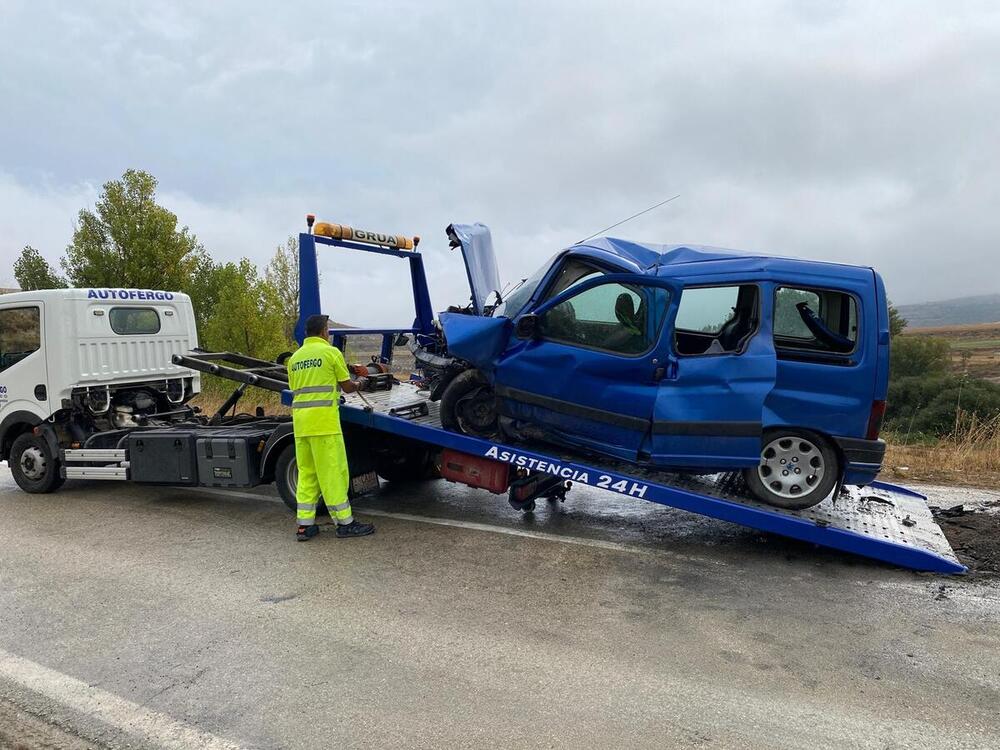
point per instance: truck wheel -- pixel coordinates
(468, 405)
(34, 467)
(797, 470)
(286, 476)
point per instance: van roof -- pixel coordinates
(691, 260)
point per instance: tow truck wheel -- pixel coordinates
(797, 470)
(286, 476)
(34, 467)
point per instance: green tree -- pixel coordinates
(919, 355)
(32, 271)
(896, 321)
(282, 273)
(130, 240)
(247, 313)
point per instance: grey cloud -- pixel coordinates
(850, 131)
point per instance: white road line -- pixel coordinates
(472, 525)
(131, 718)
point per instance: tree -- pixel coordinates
(282, 273)
(896, 321)
(32, 271)
(919, 355)
(129, 240)
(247, 314)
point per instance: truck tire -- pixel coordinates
(798, 469)
(34, 467)
(286, 477)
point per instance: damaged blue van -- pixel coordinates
(679, 358)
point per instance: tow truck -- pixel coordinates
(95, 385)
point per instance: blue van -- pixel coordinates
(674, 357)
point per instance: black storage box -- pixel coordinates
(163, 457)
(230, 457)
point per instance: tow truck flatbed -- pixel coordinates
(882, 521)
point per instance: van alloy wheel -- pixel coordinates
(791, 466)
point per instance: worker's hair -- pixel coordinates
(317, 325)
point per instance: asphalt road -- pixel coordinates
(175, 618)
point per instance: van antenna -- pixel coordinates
(633, 216)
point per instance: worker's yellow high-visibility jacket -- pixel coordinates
(313, 374)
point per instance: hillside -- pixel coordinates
(975, 349)
(961, 311)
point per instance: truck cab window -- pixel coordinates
(20, 334)
(716, 319)
(611, 317)
(134, 321)
(815, 320)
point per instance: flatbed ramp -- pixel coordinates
(882, 521)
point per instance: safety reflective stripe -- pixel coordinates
(345, 521)
(311, 404)
(313, 389)
(306, 508)
(342, 506)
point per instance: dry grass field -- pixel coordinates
(975, 349)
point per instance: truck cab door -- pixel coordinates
(24, 381)
(709, 407)
(584, 365)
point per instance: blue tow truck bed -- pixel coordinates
(881, 521)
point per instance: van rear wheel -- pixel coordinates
(798, 469)
(34, 467)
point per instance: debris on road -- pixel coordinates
(974, 535)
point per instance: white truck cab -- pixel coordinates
(83, 361)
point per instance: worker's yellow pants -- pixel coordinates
(322, 463)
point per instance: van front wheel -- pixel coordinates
(797, 470)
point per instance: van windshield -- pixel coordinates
(519, 297)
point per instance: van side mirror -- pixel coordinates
(527, 327)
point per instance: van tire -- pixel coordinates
(805, 454)
(34, 467)
(468, 406)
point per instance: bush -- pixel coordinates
(940, 405)
(918, 355)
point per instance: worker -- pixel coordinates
(315, 371)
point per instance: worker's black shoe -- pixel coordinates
(354, 528)
(305, 533)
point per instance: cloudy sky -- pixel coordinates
(864, 132)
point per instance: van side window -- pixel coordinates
(815, 320)
(572, 273)
(133, 321)
(618, 318)
(20, 334)
(716, 319)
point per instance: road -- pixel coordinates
(159, 617)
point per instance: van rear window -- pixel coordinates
(133, 321)
(815, 320)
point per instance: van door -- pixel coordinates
(709, 407)
(588, 375)
(23, 373)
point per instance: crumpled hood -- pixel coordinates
(480, 262)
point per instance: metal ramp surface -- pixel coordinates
(882, 521)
